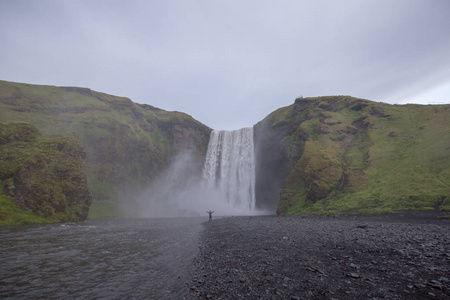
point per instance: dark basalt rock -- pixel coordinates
(396, 257)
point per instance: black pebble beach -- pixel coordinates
(403, 256)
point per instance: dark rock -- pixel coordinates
(249, 265)
(393, 134)
(379, 112)
(363, 226)
(354, 275)
(436, 284)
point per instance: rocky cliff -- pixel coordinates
(127, 144)
(330, 155)
(41, 179)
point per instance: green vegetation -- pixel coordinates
(41, 180)
(127, 144)
(12, 214)
(363, 157)
(330, 155)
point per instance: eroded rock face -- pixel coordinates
(44, 176)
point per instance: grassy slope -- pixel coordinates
(127, 144)
(365, 157)
(12, 214)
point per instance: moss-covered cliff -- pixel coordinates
(127, 144)
(341, 154)
(41, 179)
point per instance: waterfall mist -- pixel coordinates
(225, 184)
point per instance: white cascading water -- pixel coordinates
(230, 167)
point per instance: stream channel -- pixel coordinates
(101, 259)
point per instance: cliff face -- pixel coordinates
(127, 144)
(341, 154)
(46, 178)
(277, 148)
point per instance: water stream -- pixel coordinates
(99, 259)
(230, 167)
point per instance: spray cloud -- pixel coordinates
(226, 184)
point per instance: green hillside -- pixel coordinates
(127, 144)
(324, 155)
(348, 155)
(41, 179)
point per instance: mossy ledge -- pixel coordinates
(343, 155)
(42, 179)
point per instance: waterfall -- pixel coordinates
(230, 167)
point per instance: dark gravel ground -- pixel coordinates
(404, 256)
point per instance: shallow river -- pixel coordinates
(106, 259)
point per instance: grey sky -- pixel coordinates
(230, 63)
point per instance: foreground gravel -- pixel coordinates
(406, 256)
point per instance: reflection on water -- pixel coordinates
(108, 259)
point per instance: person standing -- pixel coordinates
(210, 215)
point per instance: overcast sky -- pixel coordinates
(231, 63)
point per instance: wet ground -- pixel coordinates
(99, 259)
(406, 256)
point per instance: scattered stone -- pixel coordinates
(352, 265)
(239, 259)
(354, 275)
(436, 284)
